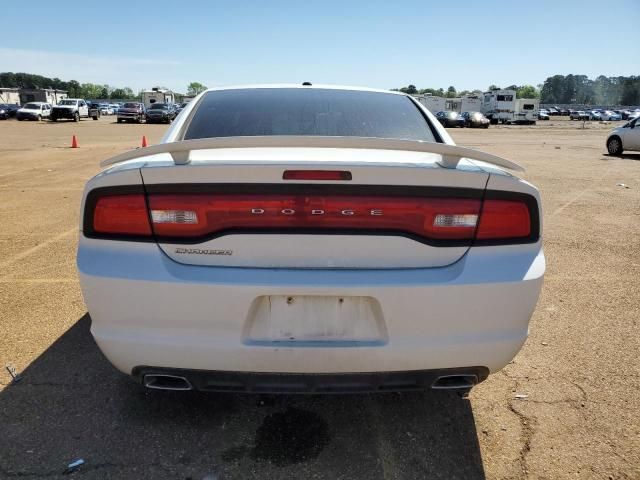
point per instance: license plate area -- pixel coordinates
(308, 320)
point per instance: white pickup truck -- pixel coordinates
(71, 109)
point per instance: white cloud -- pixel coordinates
(114, 70)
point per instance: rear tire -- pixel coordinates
(614, 146)
(76, 117)
(119, 120)
(39, 118)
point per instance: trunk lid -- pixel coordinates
(251, 180)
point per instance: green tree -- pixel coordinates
(411, 90)
(527, 91)
(451, 92)
(493, 87)
(194, 88)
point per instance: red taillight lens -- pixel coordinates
(200, 215)
(121, 215)
(504, 219)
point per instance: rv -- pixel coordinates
(502, 106)
(471, 103)
(157, 95)
(432, 103)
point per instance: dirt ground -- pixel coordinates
(579, 370)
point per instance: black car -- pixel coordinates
(94, 110)
(475, 120)
(161, 113)
(8, 110)
(450, 119)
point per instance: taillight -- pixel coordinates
(121, 215)
(501, 218)
(504, 219)
(201, 215)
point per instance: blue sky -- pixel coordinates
(369, 43)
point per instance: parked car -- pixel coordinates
(475, 120)
(563, 112)
(610, 116)
(625, 137)
(594, 115)
(34, 111)
(628, 114)
(553, 111)
(105, 109)
(161, 113)
(543, 114)
(579, 115)
(131, 112)
(277, 253)
(450, 119)
(70, 108)
(94, 110)
(114, 108)
(634, 114)
(8, 110)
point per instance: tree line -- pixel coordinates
(581, 90)
(522, 91)
(560, 89)
(80, 90)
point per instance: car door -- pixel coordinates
(83, 109)
(631, 140)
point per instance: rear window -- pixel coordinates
(130, 105)
(159, 106)
(295, 111)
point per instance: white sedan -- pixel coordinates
(304, 238)
(625, 137)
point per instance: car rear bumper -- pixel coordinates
(149, 310)
(243, 382)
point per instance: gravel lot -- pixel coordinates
(580, 368)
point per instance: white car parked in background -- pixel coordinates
(34, 111)
(309, 239)
(625, 137)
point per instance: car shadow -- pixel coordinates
(625, 156)
(71, 403)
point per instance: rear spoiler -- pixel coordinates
(179, 151)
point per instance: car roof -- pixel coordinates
(300, 86)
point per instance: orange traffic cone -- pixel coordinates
(74, 142)
(144, 141)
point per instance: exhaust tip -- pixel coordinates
(159, 381)
(450, 382)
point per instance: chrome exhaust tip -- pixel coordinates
(159, 381)
(452, 382)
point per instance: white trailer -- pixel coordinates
(157, 95)
(471, 103)
(433, 103)
(526, 110)
(502, 106)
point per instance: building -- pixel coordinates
(46, 95)
(157, 95)
(10, 95)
